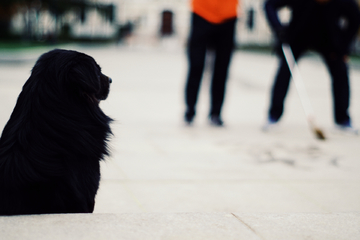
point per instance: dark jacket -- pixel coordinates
(328, 26)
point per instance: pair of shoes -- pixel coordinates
(215, 120)
(347, 128)
(269, 125)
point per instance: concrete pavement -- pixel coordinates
(165, 180)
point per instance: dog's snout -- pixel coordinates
(110, 80)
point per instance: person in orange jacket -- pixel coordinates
(213, 25)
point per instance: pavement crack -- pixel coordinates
(248, 226)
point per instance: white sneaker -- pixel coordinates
(347, 129)
(270, 125)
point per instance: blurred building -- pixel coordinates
(156, 18)
(53, 19)
(253, 29)
(148, 20)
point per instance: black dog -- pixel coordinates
(51, 147)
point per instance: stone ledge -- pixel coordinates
(207, 226)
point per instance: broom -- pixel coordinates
(299, 84)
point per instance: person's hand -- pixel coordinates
(282, 35)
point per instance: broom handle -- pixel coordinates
(299, 83)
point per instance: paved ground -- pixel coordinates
(166, 180)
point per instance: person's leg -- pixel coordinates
(280, 87)
(196, 58)
(224, 45)
(279, 91)
(340, 87)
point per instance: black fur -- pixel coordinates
(51, 146)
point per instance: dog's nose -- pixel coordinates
(110, 80)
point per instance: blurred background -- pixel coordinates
(120, 21)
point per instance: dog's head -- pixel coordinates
(73, 73)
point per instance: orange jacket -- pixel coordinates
(215, 11)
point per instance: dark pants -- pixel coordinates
(221, 38)
(340, 85)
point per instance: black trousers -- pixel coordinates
(202, 36)
(340, 85)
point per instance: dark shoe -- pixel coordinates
(189, 117)
(216, 121)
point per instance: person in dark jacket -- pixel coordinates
(325, 26)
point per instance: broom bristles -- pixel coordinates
(319, 134)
